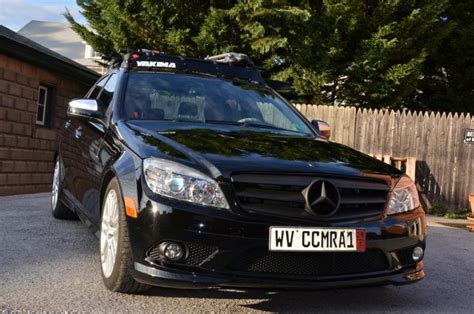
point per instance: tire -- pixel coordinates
(115, 252)
(58, 209)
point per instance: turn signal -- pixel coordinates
(130, 208)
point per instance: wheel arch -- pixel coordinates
(108, 176)
(125, 168)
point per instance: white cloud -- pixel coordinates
(14, 14)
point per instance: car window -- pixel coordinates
(179, 97)
(108, 91)
(273, 115)
(98, 87)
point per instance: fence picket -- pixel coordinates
(444, 165)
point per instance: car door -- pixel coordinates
(90, 144)
(70, 151)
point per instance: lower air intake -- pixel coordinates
(197, 253)
(313, 264)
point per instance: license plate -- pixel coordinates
(298, 239)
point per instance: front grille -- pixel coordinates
(197, 253)
(282, 195)
(311, 264)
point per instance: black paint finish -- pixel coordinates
(114, 147)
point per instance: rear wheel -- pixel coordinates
(115, 252)
(59, 210)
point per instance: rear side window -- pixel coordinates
(108, 91)
(98, 87)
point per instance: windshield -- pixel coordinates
(206, 100)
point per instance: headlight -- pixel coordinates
(183, 183)
(404, 197)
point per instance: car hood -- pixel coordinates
(227, 150)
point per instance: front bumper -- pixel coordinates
(230, 245)
(172, 279)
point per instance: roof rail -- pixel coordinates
(231, 57)
(140, 50)
(111, 61)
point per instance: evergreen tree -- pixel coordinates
(371, 53)
(449, 73)
(165, 25)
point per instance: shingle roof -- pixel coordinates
(17, 46)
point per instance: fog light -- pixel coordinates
(417, 253)
(173, 251)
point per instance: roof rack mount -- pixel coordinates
(231, 57)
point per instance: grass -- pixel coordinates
(441, 211)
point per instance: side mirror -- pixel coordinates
(85, 109)
(323, 128)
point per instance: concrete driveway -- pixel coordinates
(51, 265)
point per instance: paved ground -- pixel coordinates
(50, 265)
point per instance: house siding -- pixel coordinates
(27, 149)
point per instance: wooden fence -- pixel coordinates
(444, 163)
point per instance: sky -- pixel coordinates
(14, 14)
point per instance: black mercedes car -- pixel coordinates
(195, 174)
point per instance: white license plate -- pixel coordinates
(298, 239)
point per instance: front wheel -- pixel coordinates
(115, 253)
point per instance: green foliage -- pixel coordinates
(438, 209)
(462, 214)
(449, 82)
(167, 25)
(371, 53)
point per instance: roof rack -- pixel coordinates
(231, 57)
(111, 61)
(227, 57)
(229, 64)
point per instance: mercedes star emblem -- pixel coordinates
(322, 198)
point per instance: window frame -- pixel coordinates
(45, 105)
(104, 78)
(109, 77)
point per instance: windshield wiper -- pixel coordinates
(229, 122)
(250, 124)
(265, 126)
(182, 120)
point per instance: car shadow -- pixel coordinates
(437, 292)
(353, 299)
(57, 252)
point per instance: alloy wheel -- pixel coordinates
(109, 233)
(55, 185)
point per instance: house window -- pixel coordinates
(43, 108)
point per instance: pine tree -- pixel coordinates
(164, 25)
(449, 73)
(371, 53)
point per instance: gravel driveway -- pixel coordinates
(51, 265)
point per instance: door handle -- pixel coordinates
(78, 133)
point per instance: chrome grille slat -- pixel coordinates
(362, 200)
(272, 195)
(282, 195)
